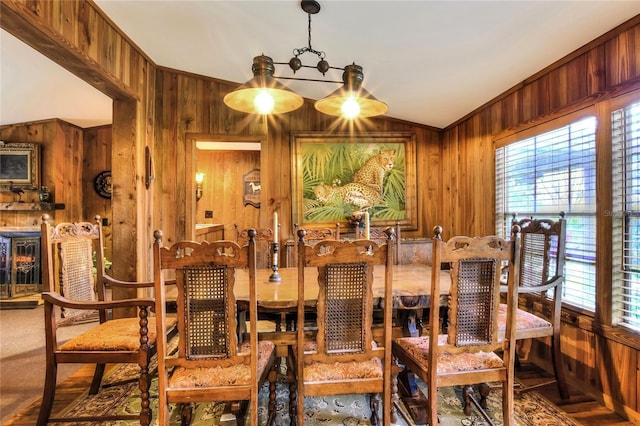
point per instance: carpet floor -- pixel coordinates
(532, 409)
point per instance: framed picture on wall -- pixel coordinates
(19, 166)
(337, 177)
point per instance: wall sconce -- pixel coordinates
(199, 180)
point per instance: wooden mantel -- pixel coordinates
(15, 206)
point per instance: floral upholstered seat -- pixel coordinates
(345, 370)
(216, 376)
(418, 347)
(115, 335)
(527, 324)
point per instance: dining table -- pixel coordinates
(411, 288)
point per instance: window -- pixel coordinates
(540, 177)
(626, 216)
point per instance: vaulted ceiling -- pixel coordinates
(432, 62)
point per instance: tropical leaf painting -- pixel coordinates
(329, 192)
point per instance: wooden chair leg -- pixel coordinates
(374, 403)
(556, 359)
(186, 414)
(483, 390)
(293, 393)
(49, 393)
(97, 379)
(145, 398)
(467, 394)
(273, 376)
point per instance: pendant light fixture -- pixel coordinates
(264, 94)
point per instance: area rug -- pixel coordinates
(532, 409)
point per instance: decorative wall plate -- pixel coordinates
(102, 184)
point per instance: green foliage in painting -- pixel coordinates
(328, 188)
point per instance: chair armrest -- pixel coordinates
(110, 281)
(58, 300)
(553, 282)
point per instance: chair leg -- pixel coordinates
(374, 403)
(467, 394)
(97, 379)
(186, 414)
(145, 399)
(483, 390)
(273, 376)
(49, 393)
(293, 392)
(395, 397)
(556, 359)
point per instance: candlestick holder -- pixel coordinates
(275, 275)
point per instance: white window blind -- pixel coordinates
(626, 216)
(552, 172)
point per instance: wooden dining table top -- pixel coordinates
(411, 286)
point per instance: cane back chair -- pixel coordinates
(343, 358)
(465, 355)
(212, 361)
(67, 252)
(541, 270)
(263, 240)
(378, 235)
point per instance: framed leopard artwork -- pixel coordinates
(337, 176)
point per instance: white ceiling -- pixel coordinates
(432, 62)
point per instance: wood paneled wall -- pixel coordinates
(192, 104)
(159, 107)
(61, 168)
(598, 357)
(223, 189)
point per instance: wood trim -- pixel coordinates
(24, 21)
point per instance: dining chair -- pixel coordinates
(377, 234)
(541, 273)
(342, 357)
(466, 353)
(212, 362)
(263, 239)
(68, 253)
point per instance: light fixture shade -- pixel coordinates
(369, 105)
(244, 97)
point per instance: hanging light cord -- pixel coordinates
(300, 51)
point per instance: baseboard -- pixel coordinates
(25, 302)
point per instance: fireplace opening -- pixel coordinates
(19, 264)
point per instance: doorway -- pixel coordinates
(230, 194)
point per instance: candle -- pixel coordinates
(275, 227)
(367, 229)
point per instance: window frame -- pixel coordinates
(540, 130)
(615, 218)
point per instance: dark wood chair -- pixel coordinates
(465, 354)
(377, 234)
(541, 270)
(68, 250)
(315, 235)
(264, 238)
(212, 362)
(343, 358)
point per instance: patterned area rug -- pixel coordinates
(532, 409)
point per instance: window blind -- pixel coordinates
(552, 172)
(626, 216)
